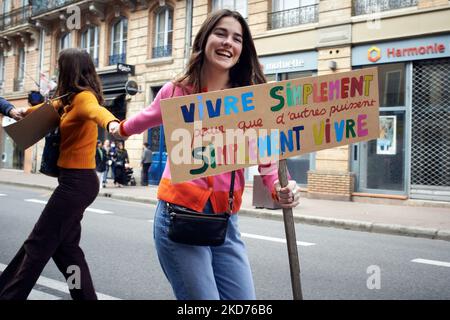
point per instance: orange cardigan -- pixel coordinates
(79, 131)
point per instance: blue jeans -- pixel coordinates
(201, 272)
(105, 175)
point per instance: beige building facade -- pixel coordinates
(294, 38)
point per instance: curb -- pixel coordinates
(27, 185)
(128, 198)
(355, 225)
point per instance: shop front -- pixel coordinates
(412, 156)
(12, 157)
(284, 67)
(114, 91)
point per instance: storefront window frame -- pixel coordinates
(406, 108)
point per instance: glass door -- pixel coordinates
(11, 156)
(382, 161)
(380, 164)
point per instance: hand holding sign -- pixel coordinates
(16, 114)
(289, 196)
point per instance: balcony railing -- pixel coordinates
(293, 17)
(41, 6)
(15, 18)
(373, 6)
(163, 51)
(117, 58)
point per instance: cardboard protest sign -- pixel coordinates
(210, 133)
(34, 126)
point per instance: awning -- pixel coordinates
(112, 98)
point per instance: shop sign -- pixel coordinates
(404, 50)
(292, 62)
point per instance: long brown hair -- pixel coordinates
(247, 71)
(77, 73)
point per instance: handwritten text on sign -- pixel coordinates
(220, 131)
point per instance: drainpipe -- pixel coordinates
(188, 32)
(39, 69)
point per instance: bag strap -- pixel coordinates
(53, 98)
(231, 193)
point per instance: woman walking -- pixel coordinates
(57, 232)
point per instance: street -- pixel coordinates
(117, 239)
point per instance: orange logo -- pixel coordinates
(374, 54)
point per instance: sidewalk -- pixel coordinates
(418, 218)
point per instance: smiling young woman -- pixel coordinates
(222, 51)
(223, 56)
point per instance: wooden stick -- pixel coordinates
(291, 240)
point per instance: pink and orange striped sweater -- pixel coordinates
(195, 193)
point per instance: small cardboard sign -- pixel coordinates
(215, 132)
(34, 126)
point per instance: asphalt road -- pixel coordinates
(117, 240)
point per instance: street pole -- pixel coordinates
(291, 240)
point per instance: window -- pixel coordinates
(280, 5)
(24, 7)
(392, 84)
(288, 13)
(18, 82)
(21, 64)
(2, 69)
(163, 32)
(236, 5)
(65, 41)
(373, 6)
(89, 42)
(380, 164)
(119, 33)
(5, 10)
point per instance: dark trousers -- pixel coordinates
(119, 175)
(145, 167)
(56, 235)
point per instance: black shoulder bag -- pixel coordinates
(50, 155)
(199, 229)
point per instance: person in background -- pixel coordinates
(106, 147)
(146, 162)
(8, 110)
(35, 98)
(100, 162)
(112, 155)
(121, 159)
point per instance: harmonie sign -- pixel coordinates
(210, 133)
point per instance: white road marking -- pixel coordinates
(61, 286)
(98, 211)
(432, 262)
(281, 240)
(88, 209)
(151, 221)
(36, 201)
(39, 295)
(2, 195)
